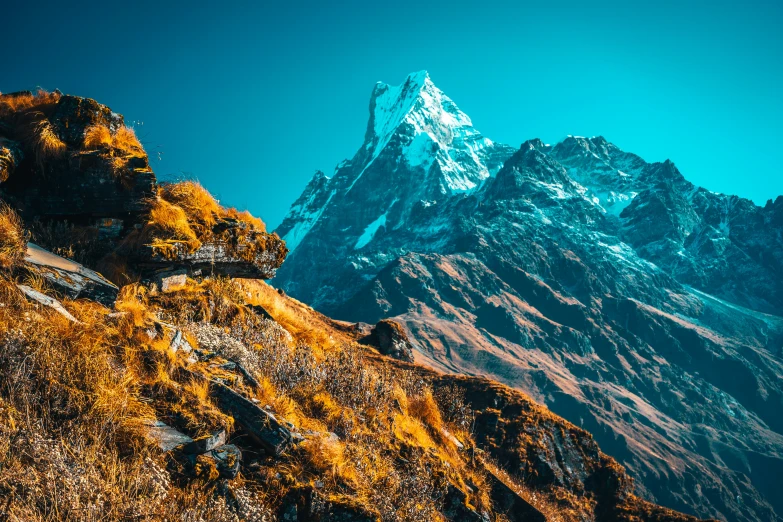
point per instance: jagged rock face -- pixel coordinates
(76, 185)
(407, 164)
(611, 289)
(98, 194)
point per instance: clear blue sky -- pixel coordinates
(252, 99)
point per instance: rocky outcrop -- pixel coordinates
(232, 252)
(45, 300)
(81, 185)
(259, 424)
(68, 277)
(390, 339)
(96, 192)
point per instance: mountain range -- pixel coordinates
(635, 304)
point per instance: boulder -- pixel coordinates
(69, 277)
(390, 339)
(260, 425)
(226, 459)
(171, 279)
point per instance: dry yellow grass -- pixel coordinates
(44, 142)
(194, 199)
(125, 140)
(10, 105)
(172, 220)
(13, 239)
(97, 136)
(304, 324)
(182, 218)
(253, 222)
(87, 392)
(27, 118)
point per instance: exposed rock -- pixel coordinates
(74, 114)
(227, 459)
(205, 444)
(259, 424)
(45, 300)
(508, 502)
(454, 440)
(170, 279)
(68, 277)
(564, 276)
(166, 437)
(305, 504)
(232, 254)
(390, 339)
(179, 343)
(456, 508)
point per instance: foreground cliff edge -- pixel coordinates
(140, 379)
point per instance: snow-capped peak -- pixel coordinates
(434, 130)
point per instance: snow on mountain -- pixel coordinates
(566, 270)
(439, 132)
(419, 146)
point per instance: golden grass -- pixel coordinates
(27, 115)
(246, 217)
(44, 142)
(97, 136)
(182, 218)
(74, 406)
(326, 455)
(13, 238)
(120, 147)
(125, 140)
(41, 100)
(171, 219)
(197, 203)
(304, 324)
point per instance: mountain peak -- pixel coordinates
(416, 122)
(417, 101)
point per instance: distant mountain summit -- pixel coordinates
(418, 148)
(628, 300)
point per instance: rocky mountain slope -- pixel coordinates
(171, 390)
(631, 302)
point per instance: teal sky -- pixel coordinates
(252, 99)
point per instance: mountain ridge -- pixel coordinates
(579, 272)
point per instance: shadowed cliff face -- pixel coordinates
(631, 302)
